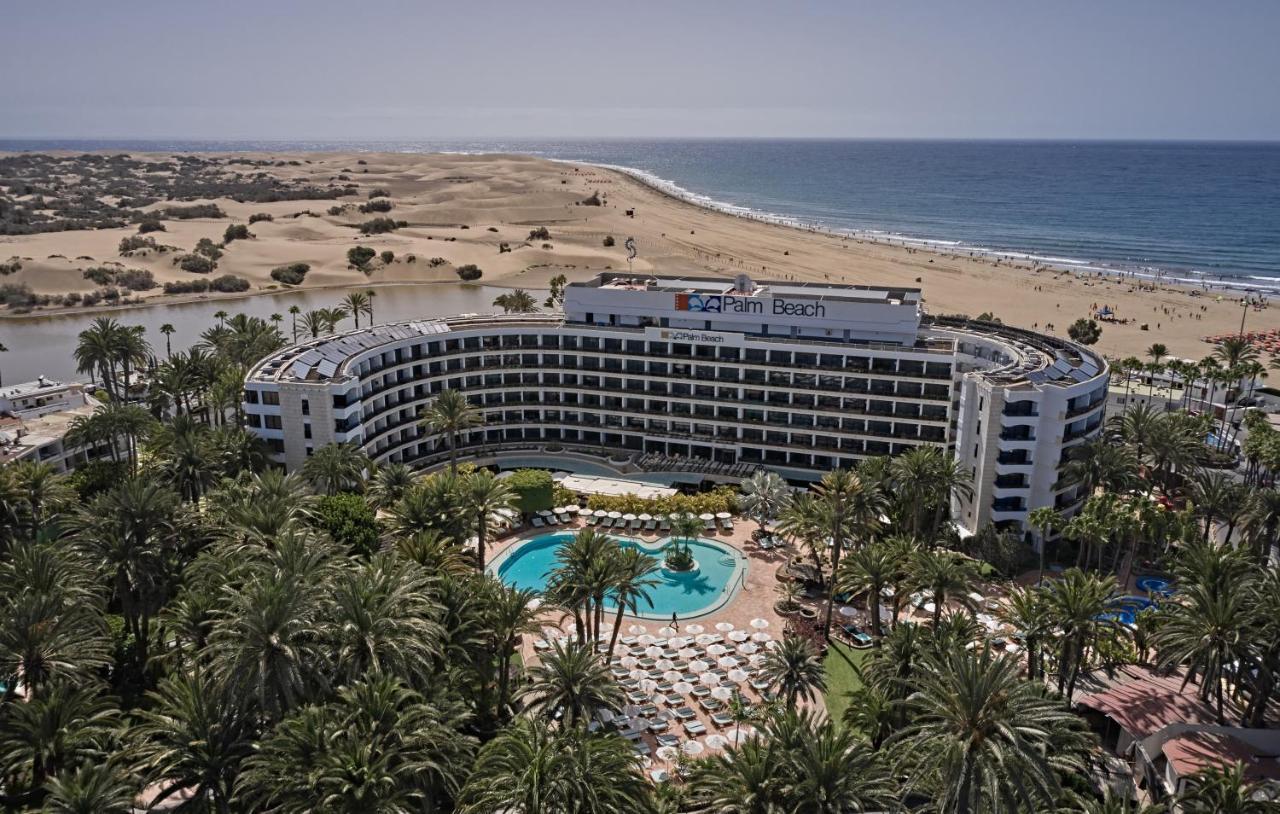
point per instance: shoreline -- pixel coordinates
(1141, 275)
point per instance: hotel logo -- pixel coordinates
(703, 303)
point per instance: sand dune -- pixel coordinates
(462, 208)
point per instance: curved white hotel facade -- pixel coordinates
(707, 375)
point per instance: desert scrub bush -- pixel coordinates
(192, 211)
(134, 243)
(135, 279)
(504, 247)
(16, 295)
(187, 287)
(358, 256)
(592, 200)
(540, 233)
(209, 249)
(379, 192)
(195, 263)
(260, 216)
(380, 205)
(11, 266)
(236, 231)
(101, 275)
(229, 283)
(608, 241)
(469, 272)
(380, 226)
(151, 225)
(387, 256)
(493, 228)
(336, 210)
(410, 258)
(437, 261)
(292, 274)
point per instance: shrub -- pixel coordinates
(100, 275)
(136, 279)
(259, 216)
(13, 266)
(388, 256)
(349, 522)
(437, 261)
(236, 231)
(379, 192)
(533, 489)
(540, 233)
(336, 210)
(380, 205)
(379, 226)
(292, 274)
(469, 272)
(1085, 331)
(410, 258)
(229, 283)
(192, 211)
(151, 225)
(208, 248)
(94, 477)
(593, 200)
(133, 243)
(504, 247)
(493, 228)
(184, 287)
(16, 294)
(195, 263)
(358, 256)
(719, 499)
(608, 241)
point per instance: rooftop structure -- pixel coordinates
(34, 420)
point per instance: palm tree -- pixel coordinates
(388, 484)
(764, 495)
(943, 575)
(1027, 611)
(1206, 631)
(168, 330)
(517, 301)
(981, 739)
(293, 313)
(1235, 351)
(357, 303)
(317, 322)
(795, 670)
(924, 480)
(512, 613)
(1223, 791)
(630, 586)
(90, 789)
(1157, 351)
(335, 468)
(868, 570)
(370, 293)
(221, 316)
(97, 351)
(1078, 606)
(1044, 520)
(1211, 493)
(849, 508)
(485, 498)
(448, 414)
(530, 769)
(45, 637)
(62, 727)
(193, 737)
(571, 683)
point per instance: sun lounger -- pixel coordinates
(537, 523)
(711, 704)
(727, 525)
(642, 748)
(709, 526)
(722, 719)
(650, 525)
(701, 692)
(695, 728)
(606, 522)
(659, 726)
(648, 710)
(592, 520)
(667, 739)
(684, 713)
(664, 525)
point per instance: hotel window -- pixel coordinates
(251, 396)
(306, 407)
(270, 397)
(271, 422)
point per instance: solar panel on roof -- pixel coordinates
(327, 368)
(1080, 375)
(1037, 377)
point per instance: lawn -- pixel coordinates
(841, 678)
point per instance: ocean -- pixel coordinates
(1195, 212)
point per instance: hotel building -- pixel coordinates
(707, 376)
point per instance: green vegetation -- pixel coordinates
(292, 274)
(532, 489)
(517, 301)
(540, 233)
(349, 522)
(843, 665)
(359, 256)
(379, 226)
(1084, 331)
(236, 231)
(151, 225)
(608, 241)
(195, 263)
(468, 272)
(378, 205)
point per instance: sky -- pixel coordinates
(396, 69)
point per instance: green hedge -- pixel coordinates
(533, 488)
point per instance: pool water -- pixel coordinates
(714, 582)
(1154, 585)
(1127, 608)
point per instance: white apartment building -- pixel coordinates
(703, 374)
(34, 419)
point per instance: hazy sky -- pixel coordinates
(387, 69)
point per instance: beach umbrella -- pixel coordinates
(724, 627)
(639, 675)
(671, 676)
(977, 597)
(666, 753)
(628, 516)
(739, 735)
(644, 640)
(600, 513)
(722, 693)
(716, 742)
(535, 603)
(561, 510)
(724, 515)
(738, 675)
(648, 685)
(759, 624)
(739, 636)
(709, 679)
(629, 662)
(1011, 647)
(545, 512)
(615, 515)
(707, 516)
(761, 637)
(644, 516)
(929, 607)
(717, 650)
(848, 610)
(694, 629)
(666, 632)
(585, 513)
(692, 748)
(686, 652)
(682, 687)
(757, 659)
(663, 664)
(653, 651)
(772, 645)
(705, 639)
(748, 648)
(636, 630)
(727, 662)
(677, 642)
(698, 666)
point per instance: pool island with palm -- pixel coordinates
(716, 578)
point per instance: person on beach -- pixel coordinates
(675, 621)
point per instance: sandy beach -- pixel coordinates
(463, 209)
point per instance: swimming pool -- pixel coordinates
(1154, 585)
(1127, 608)
(720, 572)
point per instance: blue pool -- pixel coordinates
(1127, 608)
(1154, 585)
(719, 574)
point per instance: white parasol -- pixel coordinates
(666, 632)
(707, 516)
(724, 627)
(666, 753)
(671, 676)
(848, 610)
(694, 629)
(705, 639)
(717, 650)
(716, 742)
(761, 637)
(724, 515)
(737, 675)
(738, 636)
(748, 648)
(645, 639)
(653, 651)
(663, 664)
(686, 652)
(629, 662)
(698, 666)
(759, 624)
(682, 687)
(636, 630)
(709, 679)
(692, 748)
(722, 693)
(727, 662)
